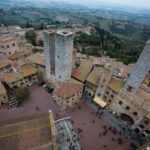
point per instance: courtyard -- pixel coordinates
(94, 132)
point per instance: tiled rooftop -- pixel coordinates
(116, 84)
(82, 72)
(27, 71)
(94, 76)
(31, 134)
(12, 77)
(66, 90)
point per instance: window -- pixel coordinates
(9, 53)
(60, 77)
(107, 92)
(120, 102)
(105, 97)
(146, 122)
(142, 126)
(7, 46)
(13, 44)
(135, 113)
(109, 101)
(112, 96)
(2, 46)
(58, 56)
(99, 94)
(147, 131)
(127, 107)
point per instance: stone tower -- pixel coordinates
(63, 55)
(140, 70)
(58, 47)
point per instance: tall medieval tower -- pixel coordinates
(140, 70)
(58, 48)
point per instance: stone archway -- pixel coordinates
(127, 118)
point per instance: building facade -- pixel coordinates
(67, 94)
(3, 95)
(8, 46)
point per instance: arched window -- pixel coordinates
(147, 131)
(127, 107)
(135, 113)
(146, 122)
(141, 126)
(120, 102)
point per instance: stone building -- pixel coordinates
(92, 81)
(132, 104)
(67, 94)
(146, 146)
(5, 65)
(38, 60)
(104, 80)
(58, 47)
(8, 46)
(112, 91)
(3, 95)
(26, 76)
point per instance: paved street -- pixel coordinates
(117, 123)
(94, 132)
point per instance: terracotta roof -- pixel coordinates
(66, 90)
(4, 62)
(94, 76)
(16, 55)
(27, 71)
(73, 81)
(27, 133)
(82, 72)
(37, 58)
(12, 77)
(4, 39)
(2, 89)
(116, 84)
(23, 62)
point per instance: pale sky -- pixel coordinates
(133, 3)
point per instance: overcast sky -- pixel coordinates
(133, 3)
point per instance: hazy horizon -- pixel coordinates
(97, 3)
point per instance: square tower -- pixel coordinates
(140, 70)
(63, 55)
(58, 48)
(49, 50)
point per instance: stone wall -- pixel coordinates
(47, 55)
(63, 56)
(140, 70)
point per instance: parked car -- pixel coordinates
(50, 90)
(45, 85)
(46, 88)
(42, 83)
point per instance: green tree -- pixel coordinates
(41, 43)
(21, 94)
(31, 37)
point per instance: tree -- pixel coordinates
(31, 37)
(22, 94)
(41, 43)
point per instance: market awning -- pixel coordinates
(100, 101)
